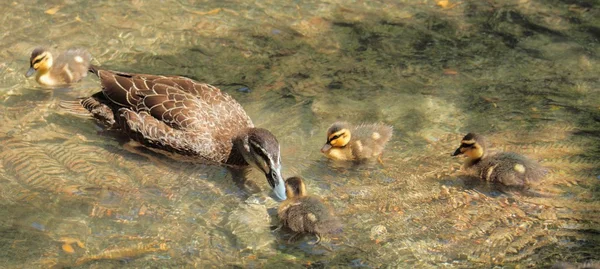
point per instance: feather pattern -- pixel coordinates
(173, 113)
(179, 115)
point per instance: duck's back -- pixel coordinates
(178, 101)
(173, 113)
(510, 169)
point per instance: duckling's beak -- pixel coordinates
(276, 181)
(30, 72)
(326, 148)
(457, 152)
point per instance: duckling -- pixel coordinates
(345, 142)
(507, 168)
(69, 67)
(306, 214)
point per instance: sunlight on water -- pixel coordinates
(524, 73)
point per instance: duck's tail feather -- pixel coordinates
(75, 108)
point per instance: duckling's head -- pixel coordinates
(294, 187)
(338, 135)
(41, 60)
(260, 149)
(471, 145)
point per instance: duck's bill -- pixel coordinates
(276, 181)
(326, 148)
(457, 152)
(30, 72)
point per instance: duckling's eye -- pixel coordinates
(335, 137)
(467, 145)
(38, 60)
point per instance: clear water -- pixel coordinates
(525, 73)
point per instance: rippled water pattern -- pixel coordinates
(524, 73)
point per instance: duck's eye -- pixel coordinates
(335, 137)
(38, 60)
(467, 145)
(262, 156)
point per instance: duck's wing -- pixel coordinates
(175, 113)
(122, 89)
(148, 130)
(180, 102)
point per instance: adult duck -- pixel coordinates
(179, 115)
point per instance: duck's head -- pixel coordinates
(294, 187)
(338, 135)
(41, 60)
(260, 149)
(472, 145)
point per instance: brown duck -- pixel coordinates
(302, 213)
(507, 168)
(176, 114)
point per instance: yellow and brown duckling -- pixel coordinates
(360, 142)
(304, 213)
(507, 168)
(69, 67)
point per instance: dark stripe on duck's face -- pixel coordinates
(333, 138)
(38, 60)
(270, 167)
(464, 145)
(258, 150)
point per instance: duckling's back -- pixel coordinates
(72, 65)
(371, 139)
(510, 169)
(308, 214)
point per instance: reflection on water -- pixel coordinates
(523, 73)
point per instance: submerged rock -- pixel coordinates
(586, 265)
(378, 233)
(250, 225)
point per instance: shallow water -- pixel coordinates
(525, 73)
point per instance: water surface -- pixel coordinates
(524, 73)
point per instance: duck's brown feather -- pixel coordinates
(172, 113)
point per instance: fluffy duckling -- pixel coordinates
(306, 214)
(508, 168)
(69, 67)
(365, 141)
